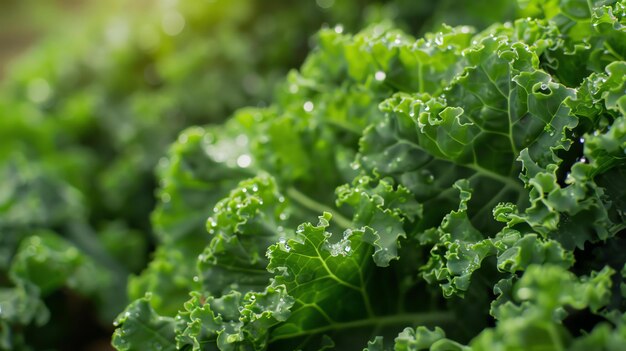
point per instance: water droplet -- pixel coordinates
(308, 106)
(208, 138)
(173, 23)
(325, 4)
(524, 293)
(38, 90)
(282, 216)
(165, 197)
(212, 222)
(241, 140)
(347, 248)
(196, 278)
(339, 29)
(255, 188)
(117, 32)
(163, 162)
(244, 190)
(380, 76)
(244, 161)
(430, 178)
(281, 199)
(582, 140)
(439, 38)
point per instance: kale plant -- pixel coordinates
(461, 191)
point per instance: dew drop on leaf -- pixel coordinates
(173, 23)
(308, 106)
(244, 161)
(38, 90)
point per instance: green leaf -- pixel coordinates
(310, 262)
(140, 326)
(233, 321)
(20, 305)
(381, 207)
(242, 227)
(200, 169)
(543, 292)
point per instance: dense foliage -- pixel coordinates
(461, 191)
(85, 117)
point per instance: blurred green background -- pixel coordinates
(22, 22)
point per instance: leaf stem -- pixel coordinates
(610, 49)
(315, 206)
(496, 176)
(554, 336)
(379, 321)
